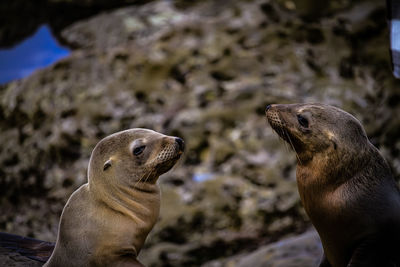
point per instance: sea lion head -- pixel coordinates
(317, 130)
(133, 156)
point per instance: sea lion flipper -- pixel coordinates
(374, 252)
(324, 262)
(128, 263)
(138, 264)
(29, 247)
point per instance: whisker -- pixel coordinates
(178, 163)
(286, 144)
(138, 181)
(290, 140)
(145, 180)
(280, 132)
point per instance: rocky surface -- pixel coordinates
(203, 71)
(302, 250)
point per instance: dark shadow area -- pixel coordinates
(21, 18)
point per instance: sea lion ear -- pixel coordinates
(107, 164)
(334, 143)
(332, 138)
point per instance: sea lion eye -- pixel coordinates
(137, 151)
(107, 165)
(303, 121)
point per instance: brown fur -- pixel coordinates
(106, 221)
(344, 183)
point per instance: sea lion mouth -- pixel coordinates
(167, 164)
(167, 158)
(278, 125)
(282, 129)
(164, 162)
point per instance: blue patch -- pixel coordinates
(38, 51)
(395, 34)
(201, 177)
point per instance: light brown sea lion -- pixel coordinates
(345, 185)
(106, 221)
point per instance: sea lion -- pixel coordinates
(106, 221)
(345, 185)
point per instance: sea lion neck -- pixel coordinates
(327, 171)
(312, 181)
(136, 202)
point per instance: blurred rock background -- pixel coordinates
(204, 71)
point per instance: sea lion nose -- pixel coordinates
(267, 108)
(180, 143)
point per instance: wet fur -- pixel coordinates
(344, 183)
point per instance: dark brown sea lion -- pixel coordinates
(345, 185)
(106, 221)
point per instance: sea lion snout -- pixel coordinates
(181, 143)
(171, 150)
(275, 121)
